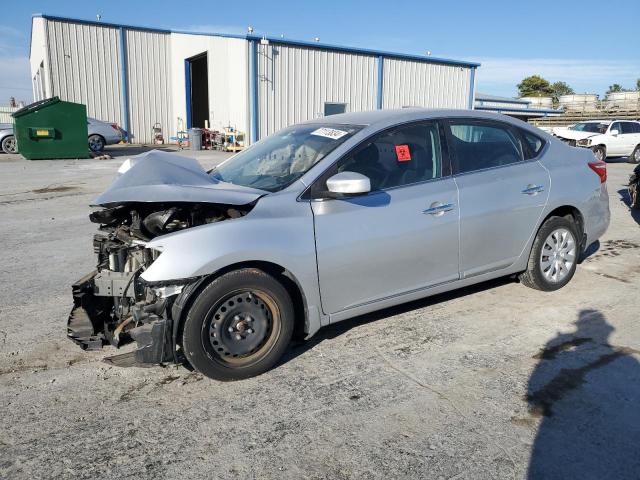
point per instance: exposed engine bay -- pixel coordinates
(113, 305)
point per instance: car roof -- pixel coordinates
(596, 121)
(376, 118)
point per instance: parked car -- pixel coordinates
(324, 221)
(7, 140)
(634, 188)
(100, 134)
(617, 138)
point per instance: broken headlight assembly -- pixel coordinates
(114, 305)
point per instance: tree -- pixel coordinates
(638, 84)
(559, 89)
(534, 86)
(616, 87)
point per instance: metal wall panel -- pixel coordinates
(409, 83)
(149, 83)
(5, 114)
(84, 67)
(294, 83)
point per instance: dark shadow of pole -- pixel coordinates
(587, 392)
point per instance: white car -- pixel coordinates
(607, 138)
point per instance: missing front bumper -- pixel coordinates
(91, 324)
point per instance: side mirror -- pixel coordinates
(348, 183)
(615, 133)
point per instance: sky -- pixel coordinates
(588, 44)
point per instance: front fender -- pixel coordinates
(278, 230)
(282, 235)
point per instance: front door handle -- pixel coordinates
(533, 189)
(437, 209)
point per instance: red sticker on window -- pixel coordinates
(402, 153)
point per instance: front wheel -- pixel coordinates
(9, 144)
(239, 325)
(552, 262)
(635, 156)
(600, 153)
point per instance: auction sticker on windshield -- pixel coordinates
(332, 133)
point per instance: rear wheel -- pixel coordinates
(553, 258)
(635, 156)
(96, 143)
(600, 153)
(634, 195)
(9, 144)
(239, 326)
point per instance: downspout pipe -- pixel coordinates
(124, 83)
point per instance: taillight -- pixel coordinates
(600, 168)
(115, 126)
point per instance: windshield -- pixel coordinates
(591, 127)
(277, 161)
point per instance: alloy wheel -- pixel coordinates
(599, 154)
(95, 143)
(9, 145)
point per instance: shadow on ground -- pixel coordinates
(116, 151)
(340, 328)
(626, 199)
(587, 392)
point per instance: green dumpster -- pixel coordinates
(52, 128)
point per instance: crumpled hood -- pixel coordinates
(157, 176)
(572, 134)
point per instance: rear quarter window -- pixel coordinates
(533, 144)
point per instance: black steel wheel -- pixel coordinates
(238, 326)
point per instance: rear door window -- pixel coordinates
(482, 145)
(533, 144)
(630, 127)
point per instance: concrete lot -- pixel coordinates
(495, 381)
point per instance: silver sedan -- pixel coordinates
(324, 221)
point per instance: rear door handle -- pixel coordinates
(533, 189)
(437, 209)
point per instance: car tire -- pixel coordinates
(96, 143)
(238, 326)
(635, 155)
(600, 153)
(9, 144)
(554, 255)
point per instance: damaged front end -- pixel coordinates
(113, 304)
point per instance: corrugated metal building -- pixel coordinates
(138, 76)
(519, 108)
